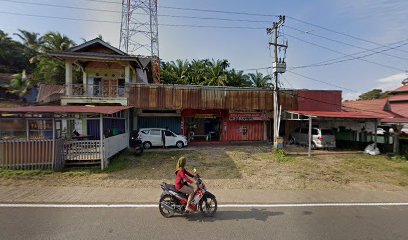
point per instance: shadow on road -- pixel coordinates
(256, 214)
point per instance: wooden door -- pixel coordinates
(110, 88)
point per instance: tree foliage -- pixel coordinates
(208, 72)
(29, 54)
(373, 94)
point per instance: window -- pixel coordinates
(155, 132)
(145, 131)
(169, 134)
(315, 131)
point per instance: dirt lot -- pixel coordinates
(234, 167)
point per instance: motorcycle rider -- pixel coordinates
(182, 181)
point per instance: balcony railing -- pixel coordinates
(93, 90)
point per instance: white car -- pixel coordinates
(152, 137)
(321, 138)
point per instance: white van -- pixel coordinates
(152, 137)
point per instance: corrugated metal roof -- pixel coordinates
(394, 120)
(48, 93)
(65, 109)
(357, 115)
(401, 89)
(397, 98)
(376, 106)
(400, 108)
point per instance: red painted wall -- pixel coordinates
(244, 131)
(319, 100)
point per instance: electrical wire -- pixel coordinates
(343, 59)
(320, 81)
(335, 51)
(341, 33)
(344, 43)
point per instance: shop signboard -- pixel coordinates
(247, 117)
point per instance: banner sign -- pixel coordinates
(247, 117)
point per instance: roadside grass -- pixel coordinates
(161, 165)
(7, 173)
(243, 167)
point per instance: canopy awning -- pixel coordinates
(350, 115)
(66, 109)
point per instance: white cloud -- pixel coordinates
(351, 95)
(391, 82)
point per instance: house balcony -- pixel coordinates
(94, 94)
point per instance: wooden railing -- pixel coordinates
(31, 154)
(93, 90)
(88, 150)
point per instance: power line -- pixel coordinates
(61, 6)
(345, 43)
(341, 33)
(335, 51)
(160, 15)
(320, 81)
(343, 59)
(55, 17)
(106, 21)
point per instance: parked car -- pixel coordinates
(135, 143)
(321, 138)
(152, 137)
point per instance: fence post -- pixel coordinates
(101, 141)
(53, 145)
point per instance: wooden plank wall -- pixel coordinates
(169, 97)
(31, 154)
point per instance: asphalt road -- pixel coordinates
(368, 222)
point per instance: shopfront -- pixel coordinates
(203, 125)
(246, 127)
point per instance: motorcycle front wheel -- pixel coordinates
(208, 206)
(164, 210)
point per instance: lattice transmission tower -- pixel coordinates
(139, 31)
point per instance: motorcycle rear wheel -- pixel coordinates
(168, 200)
(208, 206)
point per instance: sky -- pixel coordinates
(378, 28)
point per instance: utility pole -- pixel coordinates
(279, 66)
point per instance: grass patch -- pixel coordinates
(8, 173)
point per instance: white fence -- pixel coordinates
(115, 144)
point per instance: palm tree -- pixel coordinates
(49, 70)
(259, 80)
(11, 54)
(238, 79)
(217, 73)
(19, 84)
(55, 41)
(198, 70)
(31, 42)
(180, 69)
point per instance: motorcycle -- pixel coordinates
(135, 143)
(173, 201)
